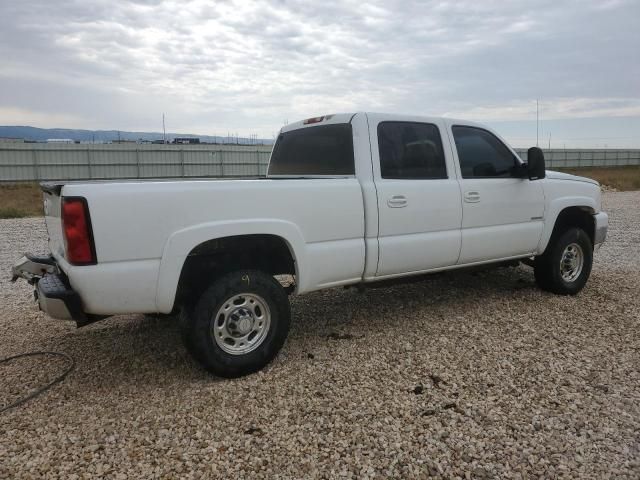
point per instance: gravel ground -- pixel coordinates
(470, 375)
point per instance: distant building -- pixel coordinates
(11, 140)
(59, 140)
(186, 141)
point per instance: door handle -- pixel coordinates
(472, 197)
(397, 201)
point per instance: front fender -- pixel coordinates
(558, 205)
(182, 242)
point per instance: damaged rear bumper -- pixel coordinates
(54, 295)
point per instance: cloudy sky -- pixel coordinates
(222, 66)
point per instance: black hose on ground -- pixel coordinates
(56, 380)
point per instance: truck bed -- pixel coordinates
(144, 230)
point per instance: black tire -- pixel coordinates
(547, 266)
(199, 319)
(186, 330)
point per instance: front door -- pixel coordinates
(419, 205)
(502, 214)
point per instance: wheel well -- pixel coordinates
(581, 217)
(210, 259)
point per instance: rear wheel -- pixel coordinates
(238, 324)
(565, 266)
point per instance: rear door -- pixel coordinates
(502, 214)
(419, 204)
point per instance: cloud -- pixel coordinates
(21, 116)
(557, 108)
(247, 66)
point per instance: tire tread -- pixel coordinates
(546, 266)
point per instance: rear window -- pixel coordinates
(324, 150)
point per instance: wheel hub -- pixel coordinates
(241, 323)
(571, 262)
(244, 324)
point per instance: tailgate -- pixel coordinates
(52, 215)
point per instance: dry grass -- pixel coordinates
(19, 200)
(620, 178)
(25, 199)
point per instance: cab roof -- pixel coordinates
(376, 116)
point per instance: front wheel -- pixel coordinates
(238, 324)
(565, 266)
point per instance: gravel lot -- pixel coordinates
(470, 375)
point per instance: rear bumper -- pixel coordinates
(31, 267)
(58, 300)
(601, 226)
(54, 295)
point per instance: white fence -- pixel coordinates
(571, 158)
(36, 161)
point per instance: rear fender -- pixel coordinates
(182, 242)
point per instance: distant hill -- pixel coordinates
(34, 134)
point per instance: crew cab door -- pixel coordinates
(502, 213)
(419, 204)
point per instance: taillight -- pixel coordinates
(309, 121)
(76, 226)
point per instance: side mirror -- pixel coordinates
(535, 164)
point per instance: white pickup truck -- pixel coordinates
(349, 199)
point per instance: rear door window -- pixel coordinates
(322, 150)
(410, 150)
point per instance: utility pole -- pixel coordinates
(164, 131)
(549, 140)
(537, 123)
